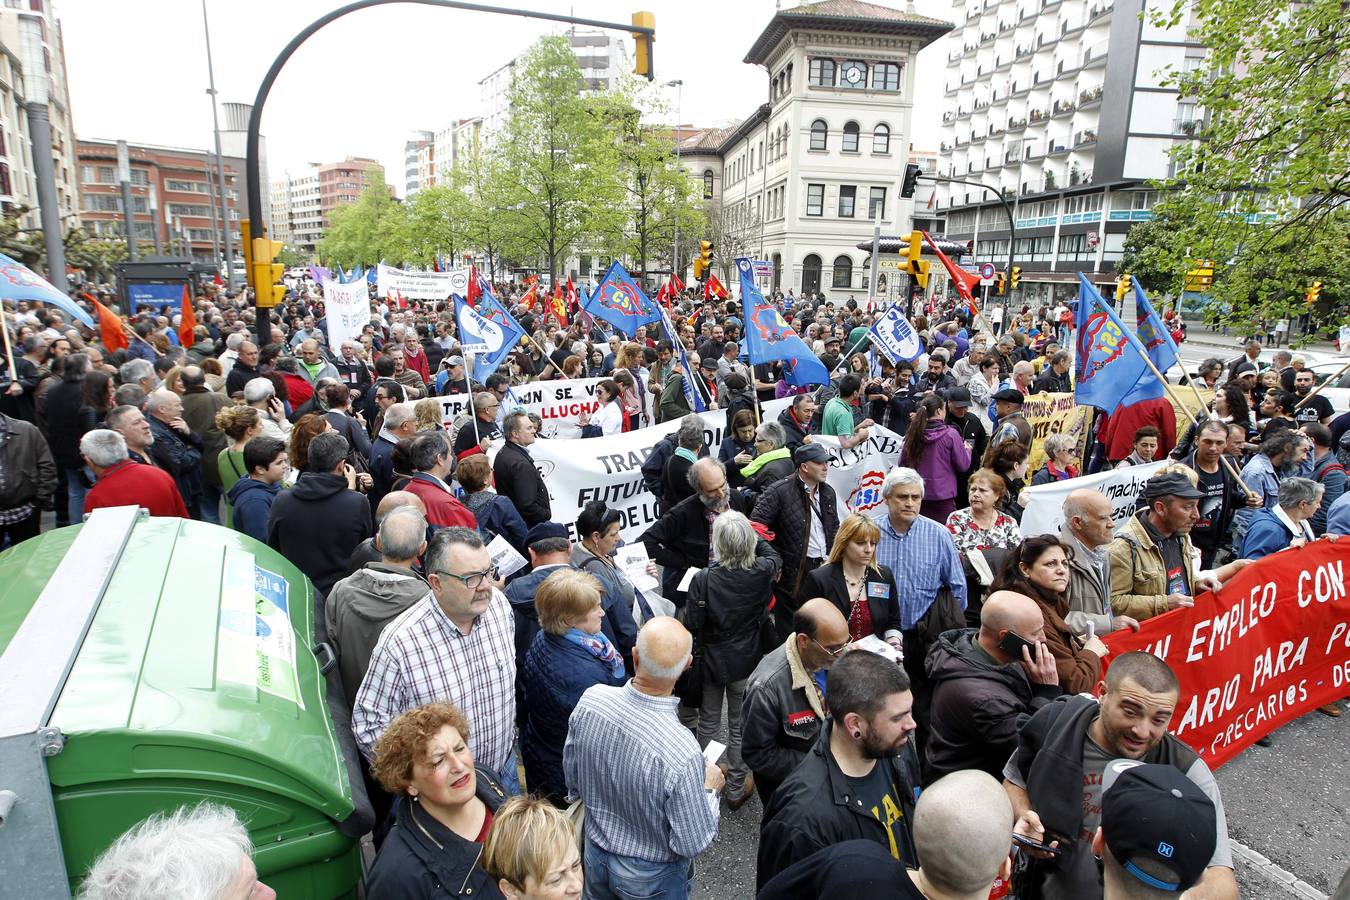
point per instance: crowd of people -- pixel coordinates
(908, 692)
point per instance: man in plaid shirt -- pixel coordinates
(456, 645)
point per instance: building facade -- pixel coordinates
(234, 143)
(801, 181)
(33, 67)
(297, 214)
(412, 147)
(1059, 105)
(342, 182)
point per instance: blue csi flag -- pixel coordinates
(620, 302)
(768, 337)
(693, 389)
(372, 275)
(895, 337)
(487, 331)
(1152, 333)
(1110, 359)
(18, 282)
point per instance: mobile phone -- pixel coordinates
(1032, 844)
(1012, 644)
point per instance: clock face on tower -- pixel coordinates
(855, 74)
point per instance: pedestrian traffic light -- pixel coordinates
(911, 181)
(1000, 284)
(1314, 292)
(267, 272)
(1015, 278)
(1122, 287)
(643, 58)
(703, 262)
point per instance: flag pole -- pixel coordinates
(1315, 391)
(473, 410)
(9, 350)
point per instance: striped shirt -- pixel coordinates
(639, 773)
(923, 560)
(421, 657)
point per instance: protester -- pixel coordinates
(598, 528)
(1327, 470)
(864, 750)
(494, 513)
(862, 589)
(1143, 448)
(28, 480)
(1061, 453)
(515, 472)
(251, 497)
(650, 815)
(938, 453)
(432, 466)
(1087, 530)
(682, 538)
(1009, 424)
(1279, 456)
(1009, 460)
(120, 481)
(1288, 524)
(531, 851)
(1222, 494)
(444, 812)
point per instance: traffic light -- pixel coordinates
(1122, 287)
(643, 57)
(1015, 278)
(1000, 284)
(1314, 292)
(267, 272)
(913, 265)
(920, 273)
(1200, 276)
(911, 181)
(703, 262)
(246, 235)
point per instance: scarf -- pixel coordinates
(686, 453)
(598, 645)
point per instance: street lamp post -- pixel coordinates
(36, 88)
(1012, 215)
(124, 179)
(154, 219)
(678, 84)
(220, 165)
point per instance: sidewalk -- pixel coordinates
(1207, 337)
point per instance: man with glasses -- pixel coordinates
(784, 705)
(456, 645)
(473, 439)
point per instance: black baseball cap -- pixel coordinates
(1170, 484)
(1155, 819)
(959, 397)
(1010, 395)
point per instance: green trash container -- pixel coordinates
(158, 662)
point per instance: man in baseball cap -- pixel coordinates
(1158, 831)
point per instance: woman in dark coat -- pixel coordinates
(852, 579)
(443, 812)
(61, 410)
(727, 612)
(738, 447)
(568, 655)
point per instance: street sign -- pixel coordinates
(763, 268)
(987, 271)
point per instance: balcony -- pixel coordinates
(996, 132)
(1095, 55)
(1017, 124)
(1090, 96)
(981, 104)
(1077, 176)
(987, 37)
(1005, 27)
(1010, 158)
(1188, 127)
(1057, 147)
(1022, 52)
(1061, 108)
(1036, 115)
(948, 117)
(1084, 138)
(944, 147)
(1098, 11)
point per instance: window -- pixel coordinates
(106, 176)
(850, 143)
(815, 199)
(876, 203)
(1083, 203)
(848, 196)
(707, 184)
(86, 174)
(821, 72)
(140, 177)
(5, 187)
(811, 274)
(881, 139)
(819, 135)
(843, 272)
(885, 77)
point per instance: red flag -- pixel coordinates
(572, 303)
(713, 288)
(531, 297)
(216, 280)
(676, 285)
(435, 264)
(559, 307)
(963, 280)
(188, 322)
(475, 289)
(663, 296)
(109, 326)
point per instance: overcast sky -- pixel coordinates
(137, 68)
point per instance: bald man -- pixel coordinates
(369, 550)
(657, 798)
(1088, 527)
(983, 680)
(784, 706)
(313, 364)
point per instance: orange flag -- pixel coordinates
(109, 326)
(188, 322)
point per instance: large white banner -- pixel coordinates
(346, 311)
(418, 285)
(609, 469)
(1044, 513)
(557, 403)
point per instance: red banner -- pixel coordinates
(1271, 645)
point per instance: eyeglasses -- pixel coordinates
(834, 654)
(474, 580)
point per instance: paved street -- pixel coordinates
(1289, 803)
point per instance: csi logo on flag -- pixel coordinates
(867, 495)
(1100, 334)
(620, 298)
(769, 323)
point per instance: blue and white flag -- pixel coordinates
(895, 337)
(692, 384)
(768, 337)
(18, 282)
(487, 331)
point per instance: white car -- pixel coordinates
(1338, 392)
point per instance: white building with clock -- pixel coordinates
(800, 181)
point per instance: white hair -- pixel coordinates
(104, 447)
(258, 389)
(159, 399)
(193, 853)
(397, 414)
(647, 659)
(734, 539)
(898, 476)
(233, 341)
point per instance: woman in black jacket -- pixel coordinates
(727, 612)
(443, 812)
(852, 579)
(61, 409)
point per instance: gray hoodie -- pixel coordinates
(358, 608)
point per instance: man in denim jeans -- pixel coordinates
(652, 803)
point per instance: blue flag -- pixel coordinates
(487, 331)
(1155, 337)
(372, 275)
(693, 388)
(1109, 359)
(18, 282)
(768, 337)
(620, 302)
(895, 337)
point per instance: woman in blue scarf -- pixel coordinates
(568, 655)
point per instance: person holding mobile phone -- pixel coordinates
(985, 680)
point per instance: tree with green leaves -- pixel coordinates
(367, 231)
(560, 151)
(1263, 189)
(484, 183)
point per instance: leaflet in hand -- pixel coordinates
(713, 752)
(632, 559)
(505, 557)
(873, 644)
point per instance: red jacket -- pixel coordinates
(1117, 434)
(298, 389)
(134, 484)
(443, 508)
(418, 363)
